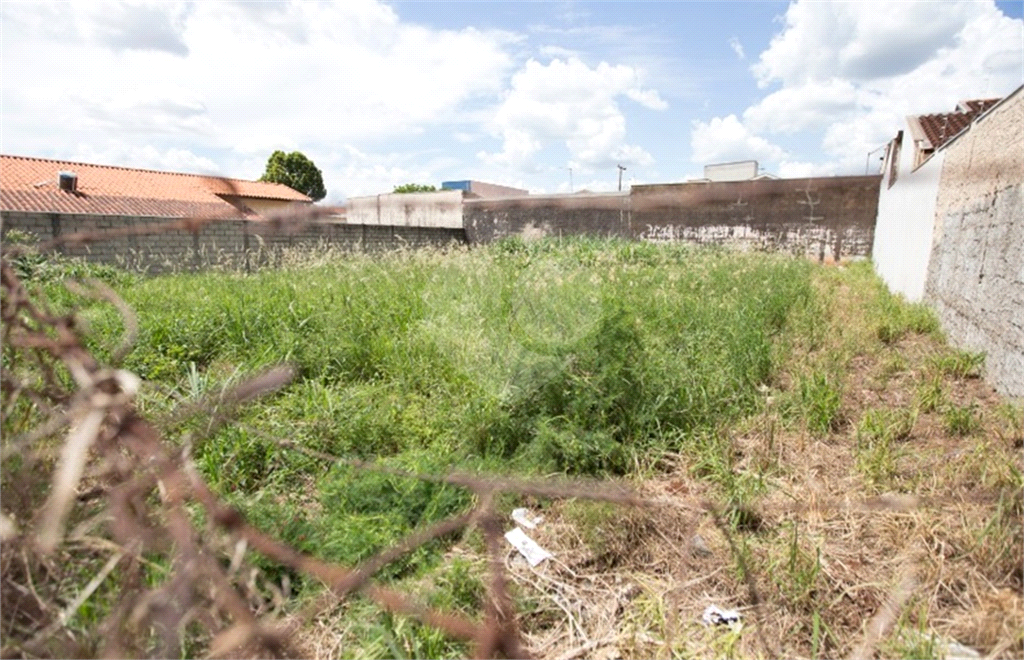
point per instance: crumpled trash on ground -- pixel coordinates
(523, 518)
(527, 547)
(716, 616)
(946, 648)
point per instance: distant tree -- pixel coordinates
(297, 172)
(414, 188)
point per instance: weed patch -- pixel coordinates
(959, 364)
(877, 450)
(961, 420)
(819, 397)
(930, 395)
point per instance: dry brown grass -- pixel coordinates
(838, 547)
(935, 558)
(843, 563)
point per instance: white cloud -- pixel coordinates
(737, 47)
(800, 169)
(809, 106)
(861, 40)
(145, 157)
(726, 139)
(350, 172)
(854, 138)
(648, 98)
(853, 71)
(557, 51)
(569, 102)
(155, 26)
(145, 110)
(241, 78)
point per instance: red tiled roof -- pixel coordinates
(30, 184)
(941, 128)
(977, 105)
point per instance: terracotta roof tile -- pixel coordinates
(978, 105)
(942, 127)
(30, 184)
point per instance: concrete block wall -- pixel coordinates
(827, 218)
(975, 277)
(227, 243)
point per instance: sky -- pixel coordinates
(547, 96)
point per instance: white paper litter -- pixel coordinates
(522, 516)
(944, 648)
(715, 615)
(527, 547)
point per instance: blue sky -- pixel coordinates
(380, 94)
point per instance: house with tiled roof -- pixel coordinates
(48, 199)
(929, 132)
(949, 230)
(911, 175)
(41, 185)
(131, 217)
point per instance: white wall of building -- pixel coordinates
(741, 171)
(434, 209)
(906, 222)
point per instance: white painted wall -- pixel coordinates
(906, 221)
(741, 171)
(435, 209)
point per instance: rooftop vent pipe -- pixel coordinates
(68, 181)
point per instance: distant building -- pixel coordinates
(480, 189)
(912, 176)
(743, 170)
(40, 185)
(436, 209)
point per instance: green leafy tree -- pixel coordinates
(415, 188)
(297, 172)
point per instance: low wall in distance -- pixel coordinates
(235, 243)
(828, 218)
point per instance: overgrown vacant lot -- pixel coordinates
(809, 447)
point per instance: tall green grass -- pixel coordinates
(573, 357)
(581, 357)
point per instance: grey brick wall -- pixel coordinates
(230, 243)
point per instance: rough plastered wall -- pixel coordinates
(582, 214)
(830, 218)
(976, 272)
(825, 218)
(433, 209)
